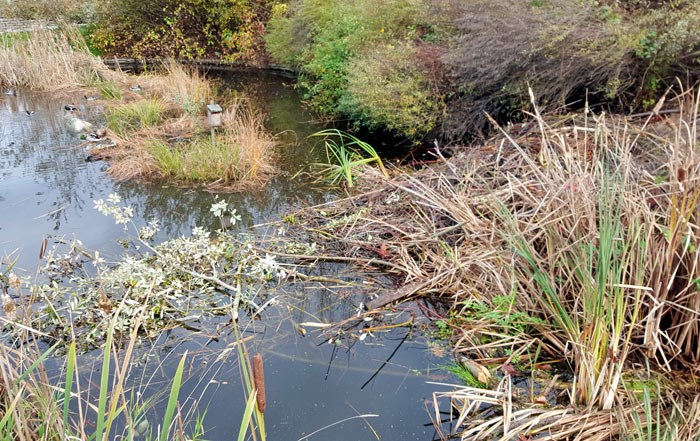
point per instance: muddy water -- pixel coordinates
(47, 190)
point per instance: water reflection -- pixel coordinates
(47, 188)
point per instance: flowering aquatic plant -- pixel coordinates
(188, 276)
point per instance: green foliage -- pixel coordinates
(199, 160)
(190, 29)
(127, 118)
(109, 90)
(345, 154)
(387, 88)
(465, 375)
(501, 312)
(357, 59)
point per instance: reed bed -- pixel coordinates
(587, 224)
(50, 60)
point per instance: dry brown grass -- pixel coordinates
(178, 86)
(243, 126)
(51, 60)
(180, 149)
(588, 222)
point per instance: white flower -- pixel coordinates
(235, 217)
(200, 232)
(97, 260)
(114, 198)
(148, 232)
(101, 206)
(268, 263)
(219, 208)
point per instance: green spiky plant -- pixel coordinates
(345, 154)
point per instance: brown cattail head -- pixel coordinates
(43, 249)
(681, 174)
(259, 380)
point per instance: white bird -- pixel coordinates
(74, 124)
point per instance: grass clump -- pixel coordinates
(181, 87)
(126, 118)
(238, 155)
(346, 154)
(109, 90)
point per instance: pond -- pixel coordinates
(47, 189)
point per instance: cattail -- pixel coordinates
(681, 174)
(259, 380)
(43, 249)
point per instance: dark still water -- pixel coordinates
(377, 385)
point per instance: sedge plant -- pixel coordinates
(346, 153)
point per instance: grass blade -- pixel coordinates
(247, 414)
(70, 370)
(172, 400)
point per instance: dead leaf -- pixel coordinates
(508, 369)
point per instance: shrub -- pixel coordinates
(564, 50)
(228, 29)
(386, 88)
(358, 59)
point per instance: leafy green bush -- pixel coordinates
(190, 29)
(387, 88)
(358, 59)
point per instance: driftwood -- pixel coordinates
(400, 294)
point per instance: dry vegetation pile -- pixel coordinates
(589, 225)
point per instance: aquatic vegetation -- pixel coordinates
(238, 156)
(109, 90)
(124, 119)
(36, 406)
(574, 240)
(253, 380)
(51, 60)
(185, 87)
(191, 275)
(346, 154)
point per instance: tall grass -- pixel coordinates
(586, 270)
(239, 154)
(50, 60)
(185, 87)
(590, 222)
(124, 119)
